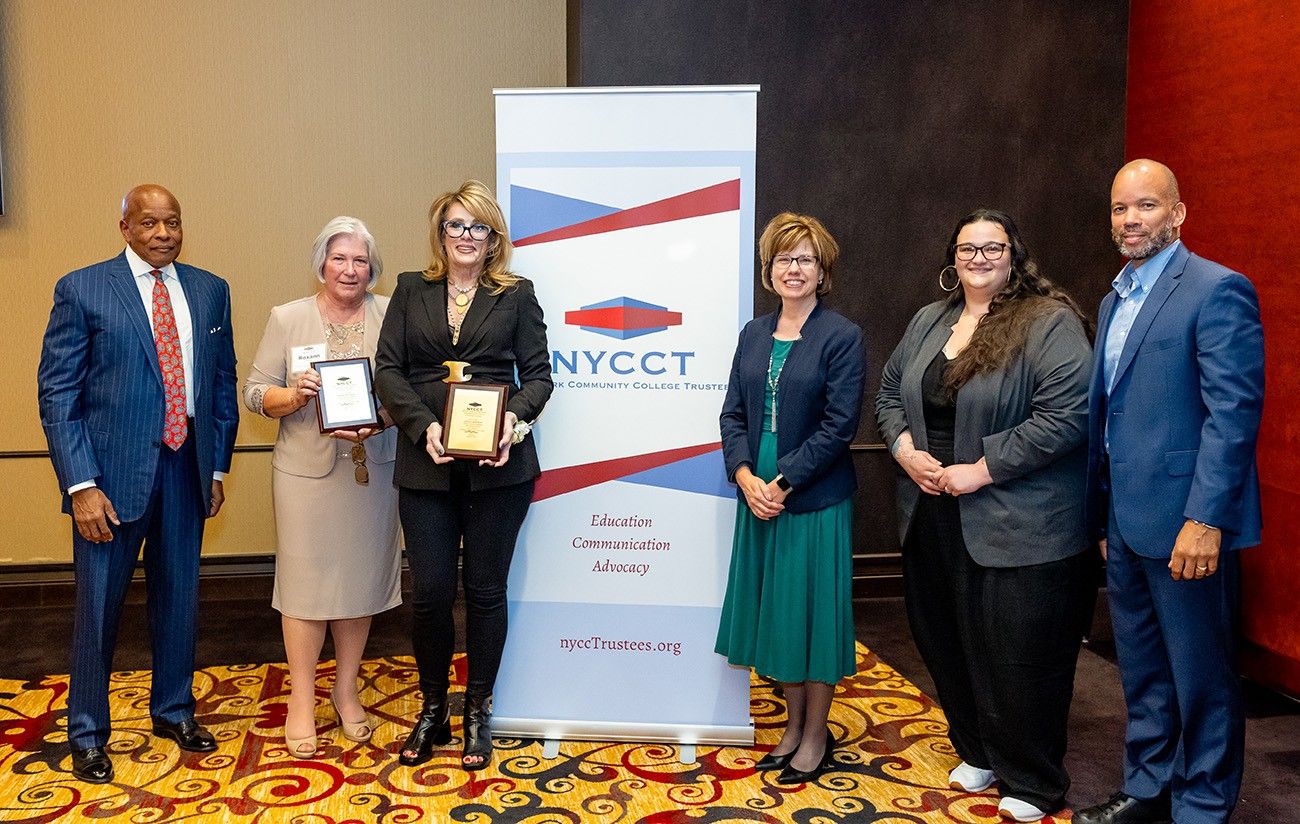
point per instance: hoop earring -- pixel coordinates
(954, 271)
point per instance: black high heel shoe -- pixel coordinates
(771, 762)
(478, 732)
(790, 775)
(432, 727)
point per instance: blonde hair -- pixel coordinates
(786, 231)
(476, 199)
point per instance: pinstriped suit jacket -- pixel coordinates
(101, 392)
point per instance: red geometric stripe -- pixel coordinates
(721, 197)
(572, 478)
(623, 317)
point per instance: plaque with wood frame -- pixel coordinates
(471, 423)
(347, 395)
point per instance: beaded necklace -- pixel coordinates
(774, 381)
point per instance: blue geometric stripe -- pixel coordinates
(704, 474)
(533, 211)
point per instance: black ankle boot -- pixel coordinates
(432, 727)
(478, 732)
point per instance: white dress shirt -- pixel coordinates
(141, 271)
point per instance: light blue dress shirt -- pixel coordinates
(1133, 284)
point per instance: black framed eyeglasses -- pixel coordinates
(991, 251)
(477, 231)
(784, 262)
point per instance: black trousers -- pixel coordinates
(1001, 645)
(437, 526)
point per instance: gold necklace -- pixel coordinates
(463, 296)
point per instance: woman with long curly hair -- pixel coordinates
(985, 406)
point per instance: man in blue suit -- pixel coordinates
(1177, 390)
(138, 401)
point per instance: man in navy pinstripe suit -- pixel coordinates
(140, 452)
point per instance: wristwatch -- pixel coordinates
(781, 483)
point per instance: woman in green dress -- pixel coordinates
(791, 411)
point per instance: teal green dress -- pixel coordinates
(788, 612)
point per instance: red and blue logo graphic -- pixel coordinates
(623, 318)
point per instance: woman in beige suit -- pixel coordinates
(337, 557)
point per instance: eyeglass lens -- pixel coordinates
(477, 231)
(991, 251)
(803, 261)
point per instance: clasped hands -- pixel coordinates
(934, 478)
(765, 499)
(433, 443)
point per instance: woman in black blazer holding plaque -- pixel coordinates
(467, 307)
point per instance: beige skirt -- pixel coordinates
(337, 553)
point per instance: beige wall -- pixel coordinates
(265, 119)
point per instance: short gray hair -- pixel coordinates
(344, 225)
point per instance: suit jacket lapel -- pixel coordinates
(1104, 315)
(478, 310)
(198, 334)
(129, 294)
(1160, 292)
(434, 296)
(374, 321)
(932, 341)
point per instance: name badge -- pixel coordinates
(302, 357)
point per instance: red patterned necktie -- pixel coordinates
(168, 342)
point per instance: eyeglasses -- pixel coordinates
(992, 251)
(788, 262)
(477, 231)
(359, 470)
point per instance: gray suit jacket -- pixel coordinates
(1028, 421)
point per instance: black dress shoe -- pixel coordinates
(92, 765)
(790, 775)
(187, 734)
(773, 762)
(1125, 809)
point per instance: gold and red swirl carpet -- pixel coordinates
(891, 764)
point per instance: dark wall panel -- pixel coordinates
(889, 119)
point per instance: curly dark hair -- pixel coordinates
(1027, 296)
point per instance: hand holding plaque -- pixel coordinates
(346, 398)
(471, 421)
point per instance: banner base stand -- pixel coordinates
(551, 731)
(686, 754)
(551, 748)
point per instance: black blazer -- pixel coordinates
(818, 403)
(502, 335)
(1028, 420)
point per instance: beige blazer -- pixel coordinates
(300, 448)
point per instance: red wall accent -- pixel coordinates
(1214, 92)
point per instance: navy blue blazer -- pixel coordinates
(818, 403)
(1184, 413)
(101, 391)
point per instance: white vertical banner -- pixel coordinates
(632, 211)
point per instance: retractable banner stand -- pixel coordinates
(632, 211)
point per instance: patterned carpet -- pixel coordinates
(891, 765)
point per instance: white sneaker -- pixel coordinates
(971, 779)
(1017, 810)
